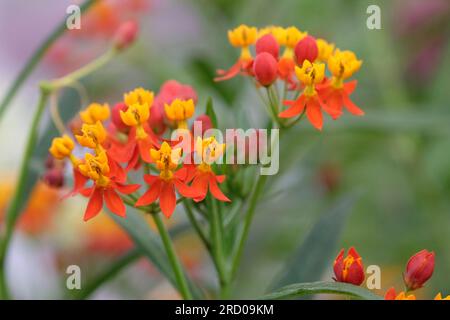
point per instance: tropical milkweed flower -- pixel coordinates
(267, 43)
(242, 37)
(419, 269)
(288, 37)
(350, 268)
(203, 176)
(95, 112)
(392, 295)
(179, 111)
(325, 50)
(106, 184)
(163, 187)
(140, 137)
(93, 135)
(336, 92)
(309, 75)
(62, 147)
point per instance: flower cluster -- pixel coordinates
(419, 269)
(301, 66)
(131, 135)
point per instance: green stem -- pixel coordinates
(82, 72)
(17, 200)
(217, 241)
(176, 265)
(259, 187)
(34, 60)
(198, 228)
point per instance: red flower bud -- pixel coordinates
(306, 49)
(126, 34)
(115, 116)
(349, 269)
(265, 68)
(205, 122)
(54, 178)
(269, 44)
(419, 269)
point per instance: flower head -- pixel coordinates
(343, 64)
(166, 159)
(93, 135)
(325, 49)
(209, 150)
(96, 167)
(61, 147)
(95, 112)
(310, 73)
(349, 269)
(242, 36)
(139, 96)
(419, 269)
(289, 37)
(180, 111)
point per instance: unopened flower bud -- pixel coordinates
(265, 68)
(349, 269)
(54, 178)
(205, 123)
(306, 49)
(269, 44)
(419, 269)
(126, 34)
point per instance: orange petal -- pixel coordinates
(230, 73)
(351, 107)
(114, 202)
(185, 190)
(296, 108)
(167, 199)
(314, 113)
(150, 179)
(150, 195)
(350, 86)
(215, 190)
(200, 186)
(94, 205)
(334, 105)
(220, 178)
(127, 189)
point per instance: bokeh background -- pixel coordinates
(394, 162)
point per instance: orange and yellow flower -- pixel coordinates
(242, 37)
(163, 187)
(392, 295)
(350, 268)
(309, 75)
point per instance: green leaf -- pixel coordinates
(150, 244)
(311, 288)
(319, 247)
(210, 112)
